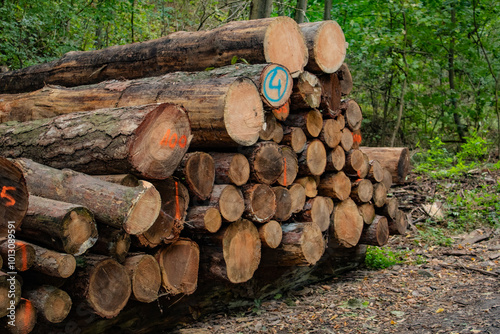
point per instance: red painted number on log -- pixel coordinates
(171, 141)
(3, 194)
(283, 109)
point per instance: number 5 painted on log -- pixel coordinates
(3, 194)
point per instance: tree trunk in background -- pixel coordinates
(300, 11)
(328, 10)
(261, 9)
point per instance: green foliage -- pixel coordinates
(435, 236)
(382, 257)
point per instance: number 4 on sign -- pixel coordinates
(10, 199)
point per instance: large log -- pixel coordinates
(197, 169)
(9, 284)
(102, 283)
(326, 44)
(290, 168)
(273, 40)
(229, 200)
(134, 209)
(16, 255)
(112, 242)
(52, 304)
(377, 233)
(231, 168)
(260, 202)
(65, 227)
(306, 92)
(13, 197)
(312, 161)
(394, 159)
(336, 185)
(145, 277)
(347, 224)
(147, 140)
(266, 162)
(179, 265)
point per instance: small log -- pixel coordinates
(331, 134)
(298, 195)
(365, 168)
(270, 234)
(330, 203)
(17, 255)
(235, 252)
(353, 114)
(377, 233)
(330, 93)
(166, 229)
(283, 204)
(266, 162)
(354, 162)
(268, 128)
(197, 169)
(95, 272)
(52, 304)
(311, 122)
(112, 242)
(367, 211)
(203, 219)
(260, 202)
(145, 277)
(295, 138)
(175, 198)
(9, 283)
(52, 263)
(347, 224)
(387, 181)
(179, 264)
(394, 159)
(309, 184)
(346, 141)
(345, 79)
(134, 209)
(65, 227)
(302, 245)
(335, 160)
(390, 208)
(306, 93)
(399, 224)
(271, 40)
(379, 194)
(290, 168)
(312, 161)
(24, 319)
(326, 44)
(231, 168)
(376, 172)
(361, 190)
(148, 140)
(282, 112)
(316, 210)
(356, 139)
(278, 133)
(128, 180)
(13, 197)
(337, 186)
(229, 200)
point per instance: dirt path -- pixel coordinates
(437, 290)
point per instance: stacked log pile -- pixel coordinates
(156, 170)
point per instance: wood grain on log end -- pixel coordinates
(145, 277)
(260, 202)
(347, 224)
(198, 171)
(362, 190)
(302, 244)
(203, 219)
(52, 304)
(345, 79)
(335, 160)
(337, 186)
(270, 234)
(298, 195)
(367, 211)
(377, 233)
(295, 138)
(230, 202)
(266, 162)
(283, 204)
(144, 211)
(312, 161)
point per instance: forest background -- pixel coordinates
(426, 73)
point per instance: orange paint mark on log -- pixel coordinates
(24, 256)
(284, 171)
(28, 313)
(3, 194)
(359, 173)
(173, 140)
(177, 208)
(356, 138)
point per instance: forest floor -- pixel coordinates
(449, 284)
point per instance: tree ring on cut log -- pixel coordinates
(282, 42)
(81, 232)
(347, 223)
(242, 250)
(109, 288)
(239, 169)
(146, 208)
(146, 279)
(231, 203)
(161, 141)
(200, 174)
(320, 213)
(57, 303)
(267, 162)
(298, 195)
(314, 123)
(316, 157)
(243, 112)
(330, 47)
(277, 84)
(262, 203)
(213, 220)
(271, 234)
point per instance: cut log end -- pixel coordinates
(231, 203)
(260, 202)
(145, 211)
(335, 160)
(331, 134)
(379, 194)
(81, 231)
(283, 204)
(161, 141)
(377, 233)
(367, 211)
(145, 277)
(337, 186)
(239, 170)
(25, 319)
(199, 173)
(295, 138)
(266, 162)
(315, 158)
(243, 112)
(298, 195)
(270, 234)
(353, 115)
(52, 304)
(362, 190)
(347, 223)
(314, 123)
(276, 85)
(302, 245)
(328, 47)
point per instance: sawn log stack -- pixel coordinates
(159, 170)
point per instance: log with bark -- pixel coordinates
(270, 234)
(331, 133)
(345, 79)
(347, 224)
(335, 160)
(295, 138)
(399, 224)
(24, 320)
(273, 40)
(290, 168)
(353, 115)
(65, 227)
(377, 233)
(306, 93)
(203, 219)
(266, 162)
(312, 161)
(52, 304)
(53, 263)
(316, 210)
(145, 277)
(260, 202)
(17, 255)
(362, 190)
(394, 159)
(311, 122)
(149, 141)
(9, 283)
(13, 197)
(283, 204)
(134, 209)
(336, 186)
(326, 44)
(367, 211)
(330, 94)
(229, 200)
(112, 242)
(231, 168)
(197, 169)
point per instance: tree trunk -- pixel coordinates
(345, 79)
(291, 166)
(270, 234)
(395, 159)
(65, 227)
(377, 233)
(331, 133)
(362, 190)
(298, 195)
(229, 200)
(327, 15)
(203, 219)
(179, 264)
(260, 9)
(260, 202)
(112, 242)
(300, 11)
(283, 204)
(337, 186)
(231, 168)
(142, 140)
(266, 162)
(52, 304)
(326, 44)
(316, 210)
(347, 224)
(273, 40)
(145, 277)
(312, 161)
(13, 197)
(197, 169)
(306, 93)
(16, 254)
(52, 263)
(133, 209)
(310, 185)
(367, 211)
(295, 138)
(335, 160)
(94, 273)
